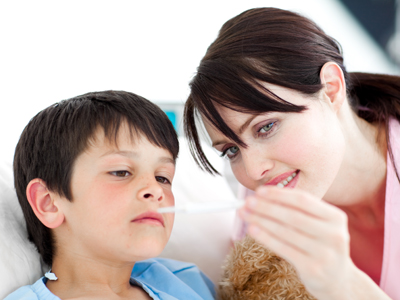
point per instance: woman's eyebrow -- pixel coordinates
(246, 124)
(216, 143)
(241, 129)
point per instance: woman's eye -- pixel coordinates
(162, 179)
(230, 152)
(266, 128)
(120, 173)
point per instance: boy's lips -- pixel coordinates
(282, 177)
(150, 217)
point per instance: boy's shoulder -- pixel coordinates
(160, 277)
(24, 292)
(36, 291)
(170, 264)
(176, 278)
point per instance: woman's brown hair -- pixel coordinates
(282, 48)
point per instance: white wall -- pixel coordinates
(52, 50)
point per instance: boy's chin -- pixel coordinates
(149, 251)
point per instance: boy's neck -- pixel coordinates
(80, 277)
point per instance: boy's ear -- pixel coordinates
(43, 204)
(332, 79)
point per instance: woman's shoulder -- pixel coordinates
(394, 125)
(394, 137)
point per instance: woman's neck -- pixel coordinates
(359, 187)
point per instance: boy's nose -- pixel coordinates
(151, 191)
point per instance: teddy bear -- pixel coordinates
(253, 272)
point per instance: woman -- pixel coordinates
(276, 100)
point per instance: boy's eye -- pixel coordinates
(162, 179)
(120, 173)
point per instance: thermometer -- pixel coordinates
(208, 207)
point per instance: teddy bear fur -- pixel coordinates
(253, 272)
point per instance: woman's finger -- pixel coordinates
(324, 229)
(281, 236)
(285, 249)
(286, 215)
(296, 199)
(293, 225)
(323, 239)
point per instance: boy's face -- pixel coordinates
(116, 193)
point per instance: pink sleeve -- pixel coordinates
(390, 277)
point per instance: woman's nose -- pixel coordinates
(150, 190)
(256, 163)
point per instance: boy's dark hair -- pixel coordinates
(53, 139)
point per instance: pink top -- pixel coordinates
(390, 277)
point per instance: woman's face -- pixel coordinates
(309, 145)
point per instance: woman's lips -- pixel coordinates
(287, 179)
(150, 218)
(293, 182)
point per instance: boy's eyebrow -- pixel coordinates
(133, 154)
(168, 160)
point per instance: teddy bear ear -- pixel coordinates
(253, 272)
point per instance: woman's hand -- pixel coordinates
(312, 235)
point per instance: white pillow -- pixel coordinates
(19, 260)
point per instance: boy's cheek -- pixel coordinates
(170, 218)
(170, 222)
(110, 192)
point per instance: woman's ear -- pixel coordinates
(43, 204)
(332, 79)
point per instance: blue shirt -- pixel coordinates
(162, 279)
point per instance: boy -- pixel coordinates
(90, 173)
